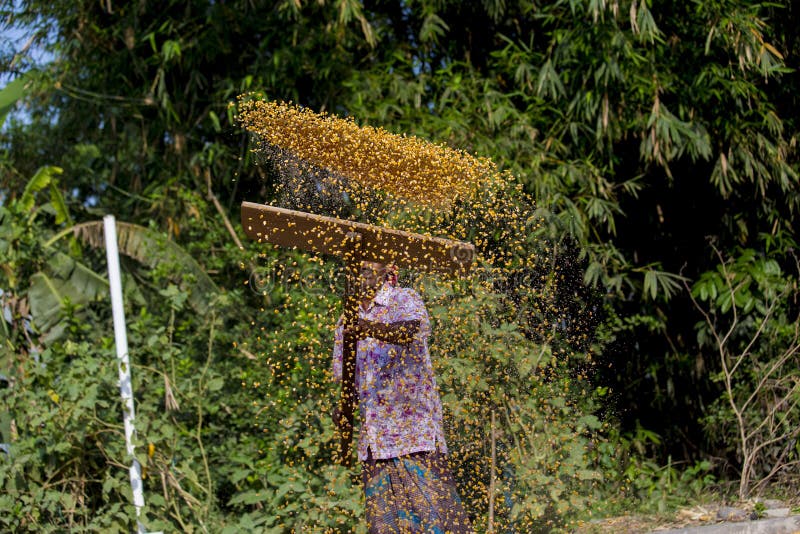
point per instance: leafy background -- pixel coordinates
(658, 141)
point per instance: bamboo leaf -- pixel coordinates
(215, 121)
(772, 50)
(170, 50)
(433, 27)
(650, 284)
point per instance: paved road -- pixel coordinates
(782, 525)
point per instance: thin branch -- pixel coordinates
(225, 219)
(18, 55)
(774, 409)
(775, 366)
(727, 278)
(767, 316)
(778, 465)
(92, 96)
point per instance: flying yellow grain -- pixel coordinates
(407, 167)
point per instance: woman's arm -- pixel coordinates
(398, 333)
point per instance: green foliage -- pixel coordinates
(636, 482)
(498, 386)
(155, 251)
(751, 322)
(10, 95)
(66, 466)
(44, 177)
(64, 282)
(57, 473)
(639, 127)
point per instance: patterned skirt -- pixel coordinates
(413, 493)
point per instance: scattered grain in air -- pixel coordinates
(503, 340)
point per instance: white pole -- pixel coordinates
(121, 341)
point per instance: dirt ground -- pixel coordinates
(682, 518)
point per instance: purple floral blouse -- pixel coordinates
(398, 398)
